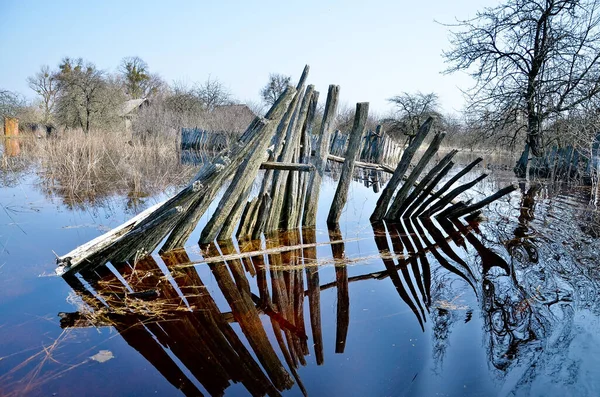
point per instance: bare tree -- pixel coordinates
(411, 111)
(531, 59)
(212, 93)
(137, 80)
(134, 71)
(273, 89)
(45, 84)
(183, 99)
(10, 103)
(344, 119)
(86, 97)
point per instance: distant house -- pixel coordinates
(233, 119)
(129, 110)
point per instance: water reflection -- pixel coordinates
(254, 328)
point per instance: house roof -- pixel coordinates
(234, 110)
(129, 106)
(231, 118)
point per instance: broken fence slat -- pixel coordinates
(274, 165)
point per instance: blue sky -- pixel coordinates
(372, 49)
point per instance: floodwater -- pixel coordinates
(506, 306)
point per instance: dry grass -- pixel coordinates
(84, 167)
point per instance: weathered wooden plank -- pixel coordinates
(261, 216)
(274, 165)
(362, 164)
(447, 199)
(280, 178)
(305, 154)
(480, 204)
(292, 204)
(239, 186)
(279, 142)
(187, 224)
(418, 201)
(341, 193)
(248, 218)
(388, 192)
(394, 210)
(447, 185)
(424, 183)
(231, 221)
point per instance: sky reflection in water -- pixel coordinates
(505, 307)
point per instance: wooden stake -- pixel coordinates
(322, 150)
(394, 211)
(341, 193)
(447, 185)
(387, 193)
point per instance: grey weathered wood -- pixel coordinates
(480, 204)
(234, 216)
(424, 183)
(394, 210)
(322, 150)
(261, 216)
(292, 143)
(305, 153)
(291, 203)
(447, 185)
(446, 199)
(242, 180)
(275, 165)
(129, 244)
(266, 129)
(362, 164)
(422, 198)
(380, 144)
(388, 192)
(341, 193)
(246, 225)
(278, 142)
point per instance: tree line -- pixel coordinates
(535, 66)
(77, 94)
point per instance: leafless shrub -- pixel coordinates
(411, 111)
(275, 86)
(345, 119)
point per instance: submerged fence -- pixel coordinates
(562, 162)
(280, 144)
(376, 146)
(199, 139)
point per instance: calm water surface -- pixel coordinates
(507, 306)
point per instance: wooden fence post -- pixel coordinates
(322, 151)
(387, 193)
(341, 193)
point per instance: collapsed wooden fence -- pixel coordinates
(559, 163)
(280, 144)
(377, 146)
(183, 317)
(200, 139)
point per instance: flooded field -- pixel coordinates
(504, 305)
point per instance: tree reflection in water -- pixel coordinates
(528, 296)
